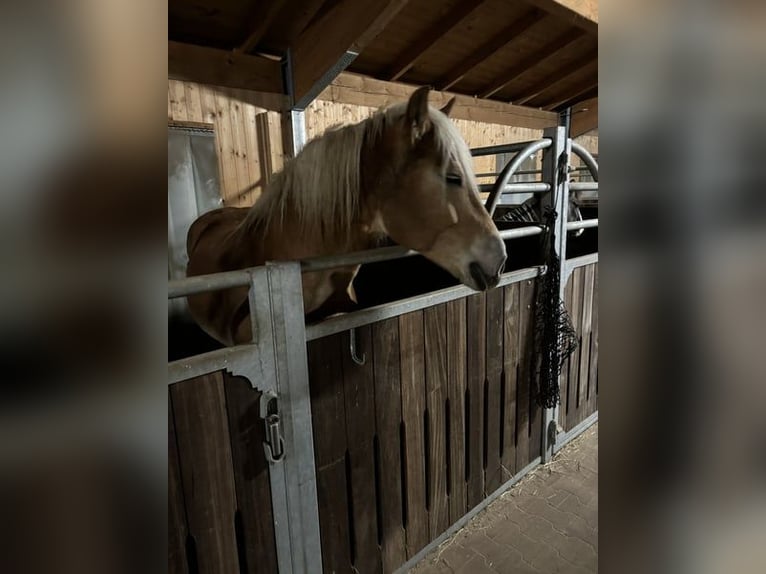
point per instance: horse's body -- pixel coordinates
(405, 173)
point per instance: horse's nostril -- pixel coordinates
(478, 275)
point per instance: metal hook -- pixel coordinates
(352, 347)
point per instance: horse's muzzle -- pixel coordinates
(484, 280)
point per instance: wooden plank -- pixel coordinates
(427, 39)
(593, 373)
(436, 393)
(493, 475)
(262, 23)
(412, 356)
(476, 341)
(239, 149)
(329, 422)
(584, 117)
(225, 140)
(251, 476)
(177, 529)
(580, 13)
(192, 63)
(488, 49)
(531, 60)
(253, 152)
(511, 317)
(193, 103)
(526, 370)
(535, 411)
(558, 78)
(363, 91)
(177, 101)
(577, 278)
(388, 417)
(587, 317)
(348, 25)
(359, 393)
(204, 450)
(564, 379)
(575, 97)
(456, 385)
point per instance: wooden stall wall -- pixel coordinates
(247, 131)
(579, 377)
(439, 417)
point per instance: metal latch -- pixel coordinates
(274, 444)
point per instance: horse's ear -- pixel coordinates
(417, 110)
(448, 106)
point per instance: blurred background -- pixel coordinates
(683, 253)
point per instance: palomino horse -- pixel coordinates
(404, 173)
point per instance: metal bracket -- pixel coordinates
(275, 442)
(352, 347)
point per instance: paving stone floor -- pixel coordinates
(547, 523)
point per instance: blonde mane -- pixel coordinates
(321, 186)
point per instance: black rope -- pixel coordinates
(555, 338)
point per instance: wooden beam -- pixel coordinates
(567, 38)
(573, 97)
(222, 68)
(557, 78)
(496, 43)
(364, 91)
(584, 117)
(435, 33)
(263, 22)
(580, 13)
(348, 26)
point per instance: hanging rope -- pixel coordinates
(555, 338)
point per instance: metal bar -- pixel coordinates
(389, 310)
(575, 262)
(583, 186)
(508, 170)
(521, 187)
(586, 156)
(241, 278)
(563, 438)
(520, 172)
(584, 224)
(498, 149)
(205, 363)
(452, 530)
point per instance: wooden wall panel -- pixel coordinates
(233, 115)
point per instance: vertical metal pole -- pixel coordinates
(556, 172)
(277, 305)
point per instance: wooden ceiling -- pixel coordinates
(535, 53)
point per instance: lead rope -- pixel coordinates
(555, 338)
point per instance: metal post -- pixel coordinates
(276, 301)
(555, 172)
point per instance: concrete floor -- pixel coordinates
(546, 523)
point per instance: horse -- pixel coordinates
(405, 173)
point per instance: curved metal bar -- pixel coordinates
(352, 348)
(510, 169)
(500, 148)
(586, 156)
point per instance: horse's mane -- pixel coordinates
(321, 185)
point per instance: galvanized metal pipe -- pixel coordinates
(508, 171)
(586, 156)
(584, 224)
(498, 149)
(517, 188)
(583, 186)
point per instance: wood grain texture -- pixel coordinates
(329, 422)
(564, 389)
(436, 394)
(593, 374)
(577, 279)
(511, 317)
(251, 475)
(412, 356)
(476, 341)
(177, 530)
(204, 450)
(587, 316)
(456, 385)
(493, 475)
(526, 369)
(388, 416)
(359, 392)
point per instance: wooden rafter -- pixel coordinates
(487, 50)
(573, 97)
(264, 19)
(584, 117)
(567, 38)
(580, 13)
(435, 33)
(348, 26)
(223, 68)
(557, 78)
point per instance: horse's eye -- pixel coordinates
(454, 179)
